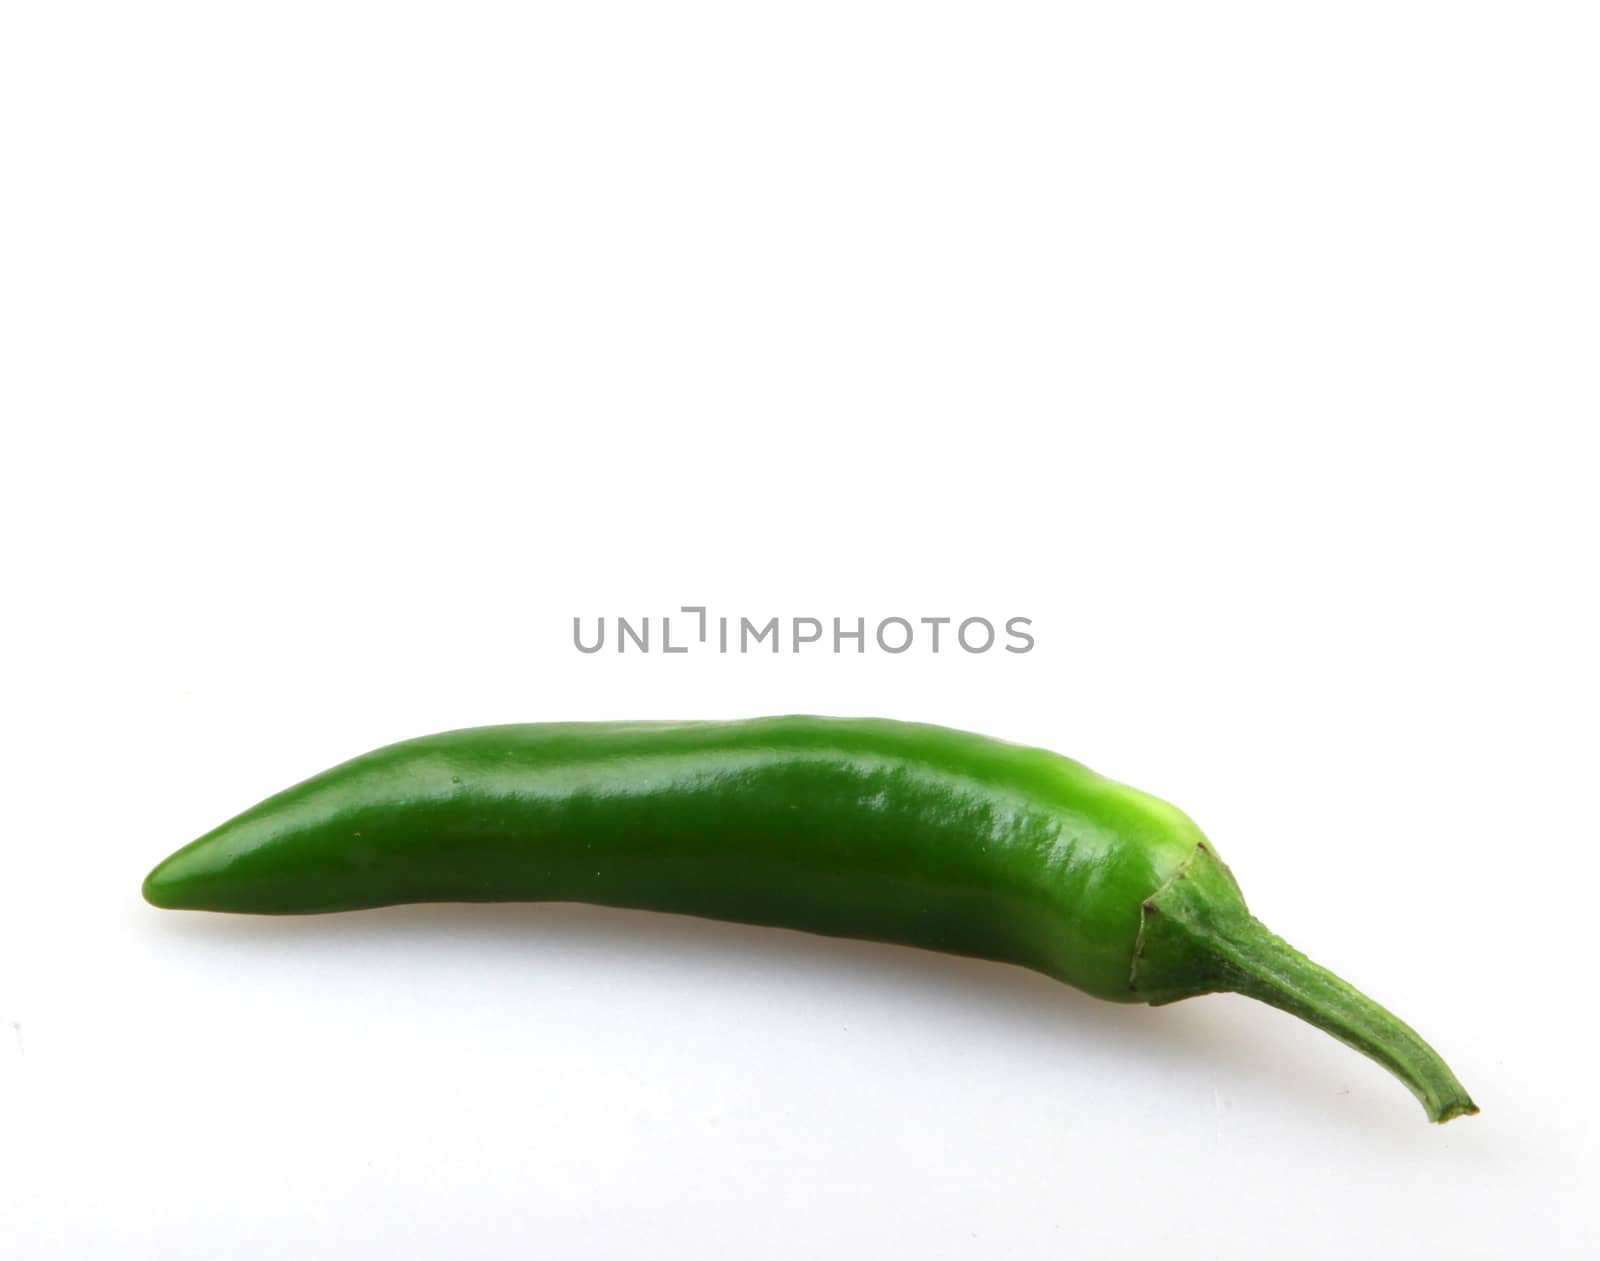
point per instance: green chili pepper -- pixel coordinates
(862, 828)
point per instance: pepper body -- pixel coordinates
(862, 828)
(851, 827)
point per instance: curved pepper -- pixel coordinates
(864, 828)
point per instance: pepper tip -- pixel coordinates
(1462, 1107)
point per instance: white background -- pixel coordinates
(350, 350)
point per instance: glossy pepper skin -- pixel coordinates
(865, 828)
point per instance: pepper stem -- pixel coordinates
(1197, 937)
